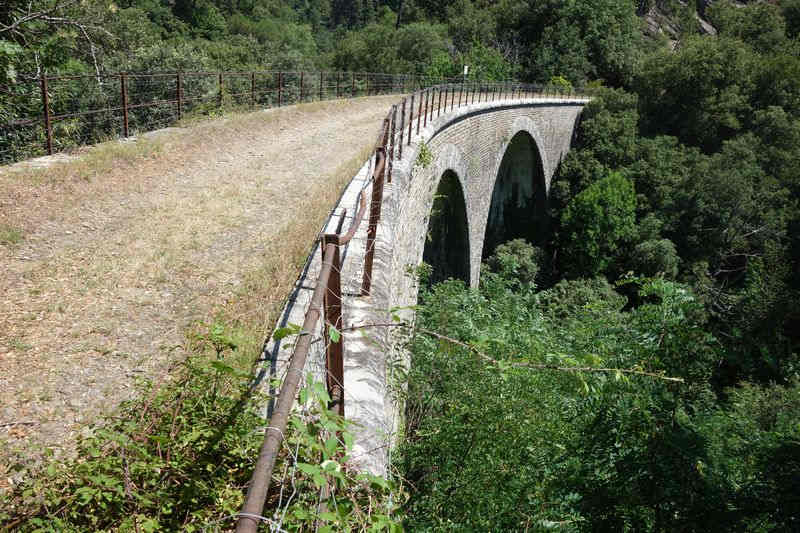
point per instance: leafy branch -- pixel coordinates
(502, 364)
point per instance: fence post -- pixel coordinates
(46, 104)
(280, 88)
(123, 86)
(452, 96)
(410, 118)
(332, 309)
(427, 98)
(460, 94)
(392, 143)
(374, 218)
(338, 78)
(366, 79)
(402, 129)
(220, 89)
(353, 85)
(419, 111)
(178, 94)
(252, 89)
(320, 86)
(439, 107)
(302, 76)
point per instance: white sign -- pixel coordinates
(466, 70)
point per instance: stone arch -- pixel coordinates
(447, 240)
(527, 125)
(518, 206)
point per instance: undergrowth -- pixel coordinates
(180, 455)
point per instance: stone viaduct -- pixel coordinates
(472, 178)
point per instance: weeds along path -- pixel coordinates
(109, 262)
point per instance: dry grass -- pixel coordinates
(131, 246)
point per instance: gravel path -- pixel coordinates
(114, 267)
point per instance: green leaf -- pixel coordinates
(309, 468)
(334, 334)
(281, 333)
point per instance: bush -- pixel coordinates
(655, 256)
(516, 260)
(597, 225)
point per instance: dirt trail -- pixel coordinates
(112, 268)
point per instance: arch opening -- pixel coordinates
(447, 240)
(519, 200)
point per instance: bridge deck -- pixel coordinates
(120, 255)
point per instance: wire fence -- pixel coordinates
(402, 124)
(47, 114)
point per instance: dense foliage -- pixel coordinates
(178, 457)
(506, 445)
(684, 172)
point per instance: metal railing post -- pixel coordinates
(320, 86)
(439, 111)
(302, 76)
(220, 89)
(252, 89)
(353, 85)
(338, 79)
(410, 117)
(280, 89)
(402, 129)
(419, 111)
(374, 218)
(48, 126)
(392, 143)
(179, 94)
(123, 87)
(332, 309)
(427, 98)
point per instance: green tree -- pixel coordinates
(700, 93)
(597, 226)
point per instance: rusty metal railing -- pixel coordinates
(52, 113)
(327, 296)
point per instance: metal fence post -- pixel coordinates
(220, 89)
(410, 118)
(179, 94)
(252, 89)
(280, 88)
(392, 143)
(302, 76)
(374, 216)
(47, 123)
(427, 98)
(320, 86)
(332, 309)
(353, 85)
(419, 111)
(123, 85)
(338, 78)
(439, 110)
(402, 129)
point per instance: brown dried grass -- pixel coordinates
(130, 246)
